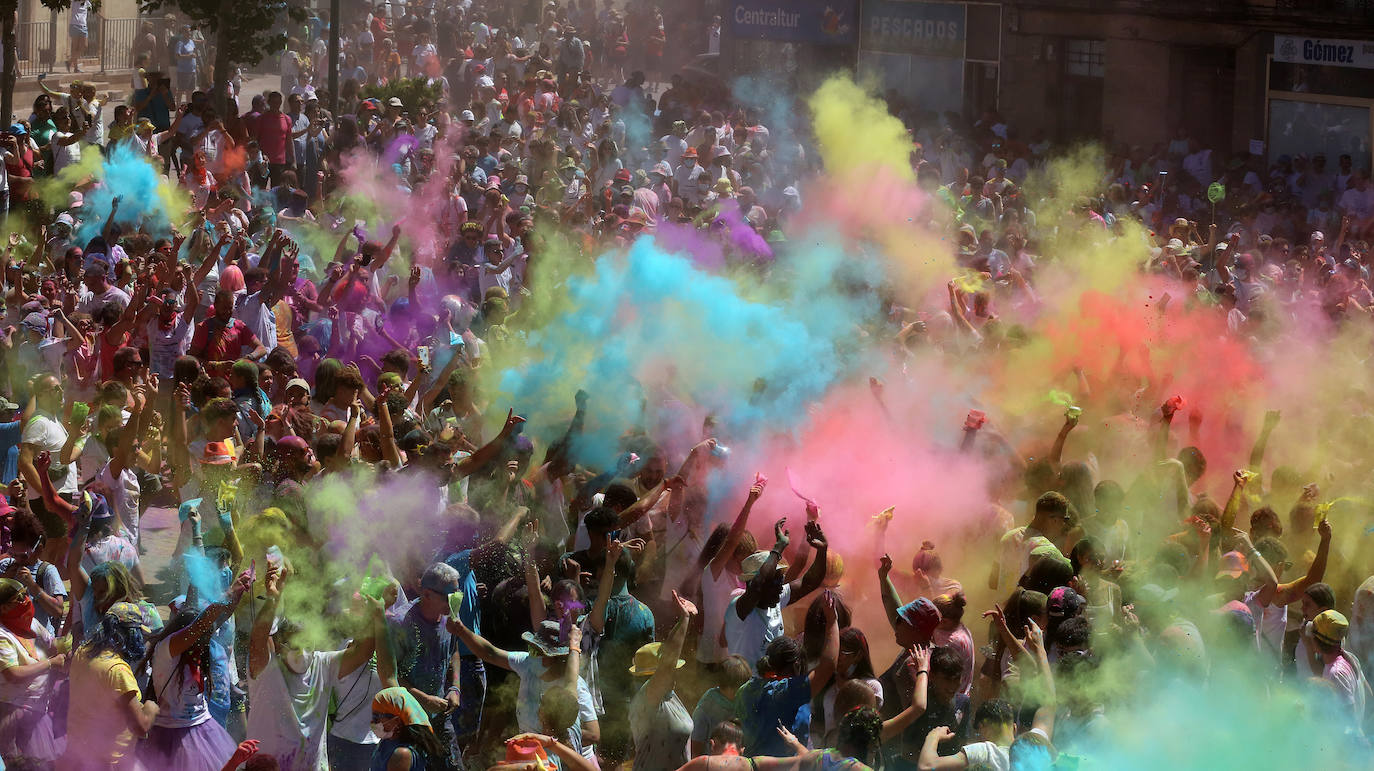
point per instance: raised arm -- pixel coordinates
(815, 575)
(386, 656)
(209, 619)
(1235, 500)
(1057, 450)
(642, 506)
(1269, 584)
(479, 644)
(489, 450)
(918, 664)
(750, 599)
(388, 249)
(825, 667)
(538, 611)
(661, 682)
(605, 585)
(107, 232)
(260, 639)
(1271, 421)
(891, 600)
(1044, 713)
(737, 528)
(1290, 592)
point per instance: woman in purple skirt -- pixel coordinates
(184, 736)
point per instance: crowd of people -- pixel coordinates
(384, 560)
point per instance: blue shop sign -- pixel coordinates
(826, 22)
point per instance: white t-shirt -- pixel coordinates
(32, 692)
(180, 698)
(64, 155)
(986, 756)
(352, 693)
(45, 433)
(532, 687)
(749, 637)
(289, 711)
(259, 319)
(79, 13)
(165, 346)
(715, 598)
(122, 494)
(1349, 683)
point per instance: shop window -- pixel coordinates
(1084, 58)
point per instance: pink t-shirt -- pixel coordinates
(961, 640)
(274, 135)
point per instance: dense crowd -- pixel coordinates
(372, 569)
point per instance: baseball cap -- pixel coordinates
(395, 101)
(623, 175)
(1064, 602)
(297, 382)
(467, 115)
(76, 200)
(1233, 565)
(18, 129)
(1330, 627)
(921, 615)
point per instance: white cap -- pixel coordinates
(467, 115)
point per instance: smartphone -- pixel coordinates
(455, 603)
(274, 556)
(422, 352)
(1073, 413)
(80, 411)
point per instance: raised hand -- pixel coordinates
(512, 420)
(780, 536)
(685, 605)
(760, 482)
(884, 566)
(815, 537)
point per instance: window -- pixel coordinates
(1084, 57)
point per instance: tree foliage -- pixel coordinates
(245, 31)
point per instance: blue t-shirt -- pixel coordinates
(381, 756)
(10, 434)
(157, 110)
(423, 651)
(186, 56)
(468, 612)
(762, 705)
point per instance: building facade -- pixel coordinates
(1268, 77)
